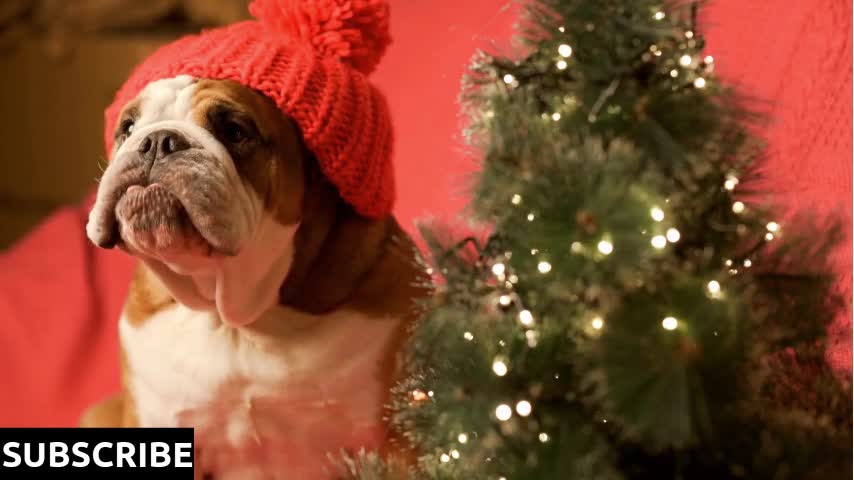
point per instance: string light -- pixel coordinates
(526, 318)
(544, 437)
(499, 367)
(509, 79)
(738, 207)
(513, 278)
(769, 236)
(773, 227)
(430, 393)
(531, 337)
(700, 82)
(709, 59)
(462, 438)
(685, 60)
(455, 454)
(656, 213)
(728, 263)
(564, 50)
(555, 116)
(605, 247)
(689, 34)
(669, 323)
(544, 267)
(561, 65)
(503, 412)
(444, 458)
(659, 15)
(674, 73)
(516, 199)
(659, 242)
(468, 336)
(673, 235)
(419, 395)
(531, 217)
(714, 288)
(561, 29)
(498, 269)
(747, 263)
(730, 182)
(523, 408)
(505, 300)
(597, 323)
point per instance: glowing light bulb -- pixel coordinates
(516, 199)
(659, 15)
(674, 73)
(468, 336)
(656, 213)
(685, 60)
(564, 50)
(455, 454)
(509, 79)
(659, 242)
(526, 318)
(523, 408)
(498, 269)
(747, 263)
(561, 65)
(738, 207)
(700, 82)
(499, 367)
(505, 300)
(544, 267)
(531, 337)
(503, 412)
(689, 34)
(605, 247)
(544, 437)
(531, 217)
(714, 288)
(730, 182)
(597, 323)
(773, 227)
(709, 59)
(670, 323)
(673, 235)
(769, 236)
(555, 116)
(462, 438)
(444, 458)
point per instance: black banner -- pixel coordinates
(96, 453)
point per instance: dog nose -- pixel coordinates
(162, 143)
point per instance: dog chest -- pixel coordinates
(309, 388)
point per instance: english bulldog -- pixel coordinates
(264, 312)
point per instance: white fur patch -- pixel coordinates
(264, 405)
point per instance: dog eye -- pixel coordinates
(127, 126)
(234, 132)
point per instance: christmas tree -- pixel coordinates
(636, 311)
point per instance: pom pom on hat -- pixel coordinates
(355, 31)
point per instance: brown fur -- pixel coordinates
(341, 260)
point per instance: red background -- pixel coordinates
(60, 297)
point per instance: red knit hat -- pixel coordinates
(311, 58)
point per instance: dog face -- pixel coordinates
(194, 168)
(205, 184)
